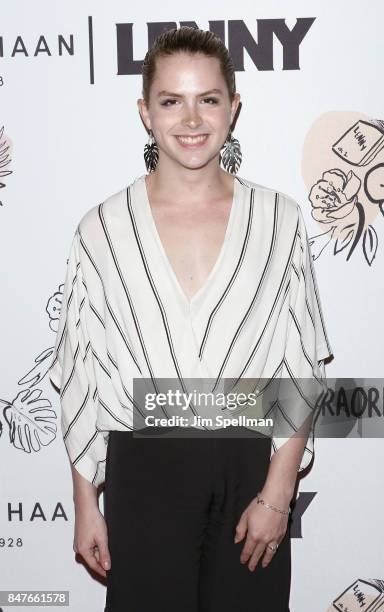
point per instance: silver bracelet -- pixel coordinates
(261, 501)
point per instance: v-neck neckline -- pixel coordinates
(189, 302)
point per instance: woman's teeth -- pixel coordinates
(192, 139)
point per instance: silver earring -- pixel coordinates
(151, 153)
(232, 156)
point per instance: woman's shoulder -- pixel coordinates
(272, 193)
(109, 207)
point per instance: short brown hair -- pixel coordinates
(190, 40)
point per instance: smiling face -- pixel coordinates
(189, 110)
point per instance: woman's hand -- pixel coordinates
(90, 538)
(263, 526)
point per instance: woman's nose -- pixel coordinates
(192, 117)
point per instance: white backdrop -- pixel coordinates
(71, 143)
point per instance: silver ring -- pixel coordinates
(271, 547)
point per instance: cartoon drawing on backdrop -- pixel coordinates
(343, 168)
(361, 595)
(5, 159)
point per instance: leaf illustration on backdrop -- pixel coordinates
(37, 373)
(370, 242)
(318, 243)
(344, 238)
(31, 421)
(5, 159)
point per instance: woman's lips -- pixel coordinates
(192, 142)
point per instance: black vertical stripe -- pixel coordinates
(233, 277)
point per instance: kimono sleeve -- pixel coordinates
(303, 375)
(72, 372)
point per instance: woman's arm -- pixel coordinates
(84, 492)
(90, 536)
(281, 479)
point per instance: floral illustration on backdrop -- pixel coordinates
(345, 200)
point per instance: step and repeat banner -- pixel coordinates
(312, 126)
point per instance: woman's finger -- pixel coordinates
(241, 528)
(268, 556)
(102, 553)
(90, 556)
(249, 546)
(255, 557)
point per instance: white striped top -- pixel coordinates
(125, 316)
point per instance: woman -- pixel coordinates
(188, 272)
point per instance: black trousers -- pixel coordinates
(171, 507)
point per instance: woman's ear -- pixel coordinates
(235, 109)
(143, 111)
(235, 106)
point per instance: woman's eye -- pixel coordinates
(165, 102)
(214, 100)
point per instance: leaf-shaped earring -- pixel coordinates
(232, 156)
(151, 153)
